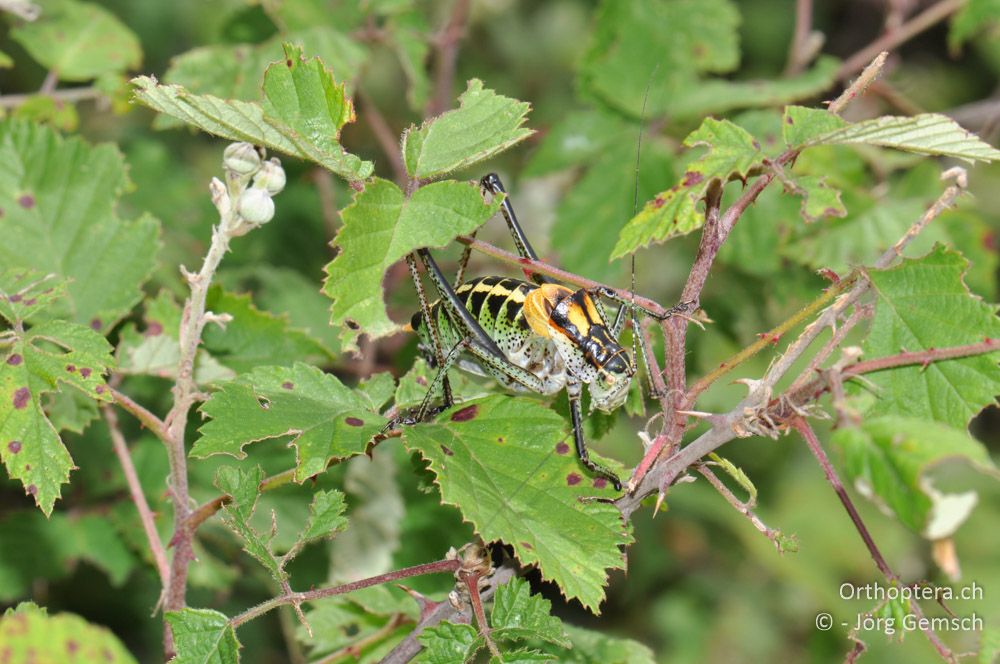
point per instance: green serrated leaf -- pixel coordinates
(447, 643)
(889, 459)
(519, 615)
(79, 40)
(505, 464)
(155, 351)
(38, 361)
(58, 197)
(255, 337)
(301, 115)
(203, 636)
(732, 152)
(377, 389)
(484, 125)
(923, 304)
(819, 199)
(324, 419)
(380, 227)
(927, 133)
(25, 292)
(413, 385)
(243, 486)
(326, 516)
(800, 125)
(29, 634)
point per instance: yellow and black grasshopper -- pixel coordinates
(535, 336)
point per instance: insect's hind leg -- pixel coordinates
(491, 182)
(433, 332)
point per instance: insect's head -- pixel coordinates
(590, 352)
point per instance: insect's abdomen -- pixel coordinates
(497, 303)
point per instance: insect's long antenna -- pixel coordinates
(635, 210)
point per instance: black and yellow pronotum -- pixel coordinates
(534, 336)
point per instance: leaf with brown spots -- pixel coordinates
(24, 293)
(324, 419)
(40, 361)
(732, 153)
(73, 229)
(29, 634)
(520, 491)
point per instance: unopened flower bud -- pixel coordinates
(270, 177)
(255, 206)
(241, 159)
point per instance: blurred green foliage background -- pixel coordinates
(702, 585)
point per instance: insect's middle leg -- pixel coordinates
(573, 390)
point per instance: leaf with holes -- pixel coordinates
(203, 636)
(58, 196)
(382, 226)
(923, 304)
(302, 113)
(324, 419)
(79, 40)
(29, 634)
(891, 458)
(41, 360)
(506, 464)
(484, 124)
(732, 152)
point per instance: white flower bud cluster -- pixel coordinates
(244, 201)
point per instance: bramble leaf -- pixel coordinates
(37, 362)
(732, 152)
(203, 636)
(326, 516)
(25, 292)
(156, 350)
(324, 419)
(517, 615)
(243, 486)
(923, 304)
(301, 114)
(484, 125)
(79, 40)
(800, 125)
(58, 196)
(890, 458)
(819, 199)
(505, 463)
(927, 133)
(29, 634)
(380, 227)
